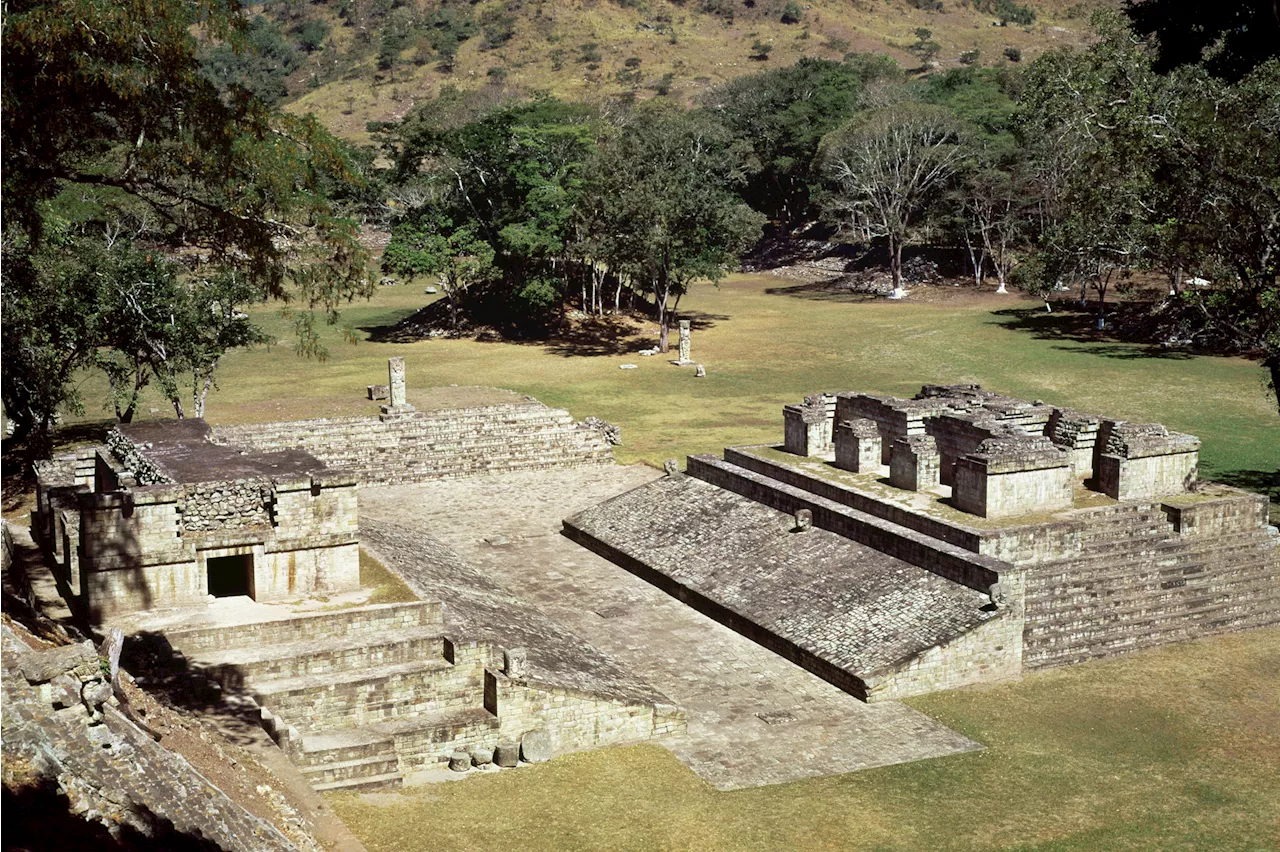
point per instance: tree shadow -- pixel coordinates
(1261, 481)
(1079, 326)
(826, 290)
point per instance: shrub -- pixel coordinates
(1013, 54)
(792, 13)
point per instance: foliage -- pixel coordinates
(1228, 38)
(258, 62)
(779, 116)
(116, 126)
(887, 165)
(1008, 11)
(792, 13)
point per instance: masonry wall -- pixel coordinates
(1145, 478)
(991, 651)
(433, 445)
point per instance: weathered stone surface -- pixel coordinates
(459, 761)
(111, 648)
(536, 746)
(515, 663)
(507, 755)
(804, 520)
(700, 372)
(377, 392)
(481, 756)
(95, 693)
(64, 691)
(80, 660)
(671, 467)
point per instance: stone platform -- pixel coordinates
(753, 718)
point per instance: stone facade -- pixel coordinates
(1141, 461)
(914, 463)
(1011, 476)
(857, 446)
(285, 528)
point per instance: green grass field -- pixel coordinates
(763, 349)
(1176, 748)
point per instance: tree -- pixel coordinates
(108, 117)
(886, 166)
(431, 244)
(780, 116)
(1228, 38)
(665, 187)
(1093, 124)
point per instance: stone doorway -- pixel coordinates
(230, 576)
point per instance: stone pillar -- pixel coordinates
(858, 445)
(396, 407)
(395, 381)
(915, 463)
(806, 430)
(684, 340)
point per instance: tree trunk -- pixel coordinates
(1272, 363)
(895, 267)
(204, 388)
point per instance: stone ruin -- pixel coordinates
(999, 456)
(957, 537)
(175, 515)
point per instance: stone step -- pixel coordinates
(1115, 605)
(1148, 627)
(369, 621)
(322, 702)
(389, 781)
(1168, 556)
(235, 667)
(377, 765)
(418, 741)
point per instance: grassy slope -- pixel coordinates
(1171, 749)
(707, 50)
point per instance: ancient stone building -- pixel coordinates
(172, 515)
(161, 516)
(957, 537)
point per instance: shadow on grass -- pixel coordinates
(1079, 327)
(589, 336)
(1261, 481)
(826, 290)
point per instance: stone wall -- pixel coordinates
(989, 652)
(421, 446)
(234, 504)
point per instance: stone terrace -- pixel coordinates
(844, 610)
(753, 717)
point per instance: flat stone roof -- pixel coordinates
(184, 451)
(851, 605)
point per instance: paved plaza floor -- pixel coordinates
(753, 717)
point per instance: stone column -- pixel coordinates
(858, 445)
(395, 381)
(684, 341)
(396, 407)
(914, 463)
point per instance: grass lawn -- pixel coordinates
(1176, 748)
(763, 349)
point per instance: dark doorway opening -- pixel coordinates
(230, 575)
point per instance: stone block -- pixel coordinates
(807, 429)
(1013, 476)
(857, 445)
(536, 746)
(378, 392)
(506, 755)
(914, 463)
(79, 660)
(459, 761)
(1142, 461)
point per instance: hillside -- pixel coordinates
(373, 60)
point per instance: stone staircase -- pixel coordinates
(434, 445)
(357, 697)
(1136, 583)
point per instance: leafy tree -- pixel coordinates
(258, 61)
(312, 33)
(1228, 38)
(792, 12)
(665, 187)
(924, 47)
(780, 116)
(1090, 124)
(513, 179)
(117, 121)
(431, 244)
(886, 166)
